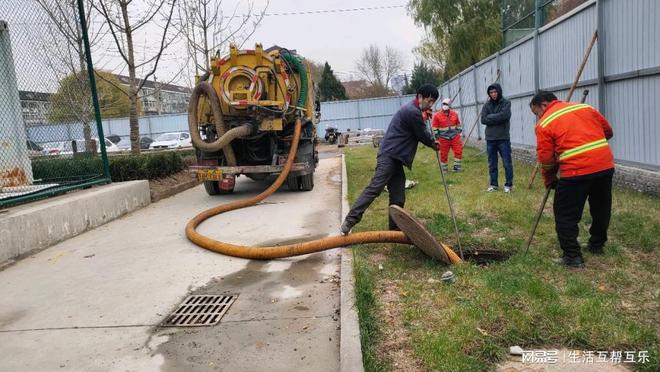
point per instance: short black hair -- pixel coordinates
(542, 96)
(428, 90)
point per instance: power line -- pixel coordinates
(344, 10)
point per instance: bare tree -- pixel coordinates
(378, 66)
(123, 27)
(207, 28)
(66, 52)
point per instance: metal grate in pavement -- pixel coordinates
(200, 310)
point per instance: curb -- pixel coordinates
(350, 348)
(157, 196)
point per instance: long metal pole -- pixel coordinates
(570, 93)
(547, 193)
(92, 87)
(451, 207)
(538, 219)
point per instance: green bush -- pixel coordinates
(122, 167)
(57, 169)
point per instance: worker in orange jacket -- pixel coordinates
(572, 139)
(447, 130)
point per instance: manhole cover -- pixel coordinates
(418, 234)
(200, 310)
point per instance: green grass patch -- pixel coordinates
(527, 300)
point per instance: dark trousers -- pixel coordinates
(570, 197)
(503, 147)
(389, 172)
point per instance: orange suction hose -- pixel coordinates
(266, 253)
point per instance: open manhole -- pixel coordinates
(483, 257)
(200, 310)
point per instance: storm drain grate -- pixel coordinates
(200, 310)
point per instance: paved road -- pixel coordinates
(94, 302)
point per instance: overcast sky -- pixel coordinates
(340, 37)
(324, 35)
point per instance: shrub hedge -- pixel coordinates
(122, 167)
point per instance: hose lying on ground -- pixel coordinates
(265, 253)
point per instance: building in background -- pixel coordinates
(398, 82)
(158, 98)
(35, 107)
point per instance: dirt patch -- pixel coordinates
(483, 257)
(395, 345)
(165, 187)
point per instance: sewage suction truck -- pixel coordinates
(242, 114)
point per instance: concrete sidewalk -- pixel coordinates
(94, 302)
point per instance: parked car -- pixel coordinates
(125, 144)
(114, 138)
(34, 149)
(54, 148)
(81, 146)
(172, 140)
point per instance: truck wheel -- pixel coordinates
(307, 182)
(292, 182)
(212, 187)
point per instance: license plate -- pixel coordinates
(209, 175)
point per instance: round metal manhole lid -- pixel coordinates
(418, 234)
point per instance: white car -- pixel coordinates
(54, 148)
(81, 147)
(172, 140)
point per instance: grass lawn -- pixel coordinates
(410, 321)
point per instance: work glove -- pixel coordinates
(550, 178)
(436, 146)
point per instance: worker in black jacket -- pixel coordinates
(495, 116)
(397, 149)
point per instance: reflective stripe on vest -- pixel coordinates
(561, 112)
(583, 148)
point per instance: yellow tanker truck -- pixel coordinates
(241, 118)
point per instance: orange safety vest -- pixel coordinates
(442, 121)
(573, 136)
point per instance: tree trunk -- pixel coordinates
(87, 109)
(133, 120)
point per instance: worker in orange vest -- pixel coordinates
(447, 130)
(572, 139)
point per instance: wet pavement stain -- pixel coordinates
(293, 240)
(253, 325)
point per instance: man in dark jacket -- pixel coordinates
(398, 148)
(495, 116)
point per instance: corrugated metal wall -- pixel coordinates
(373, 113)
(150, 126)
(624, 86)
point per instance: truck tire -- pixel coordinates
(212, 187)
(307, 182)
(292, 183)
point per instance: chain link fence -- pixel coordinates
(44, 84)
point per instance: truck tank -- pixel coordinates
(241, 117)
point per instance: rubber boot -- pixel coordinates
(457, 165)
